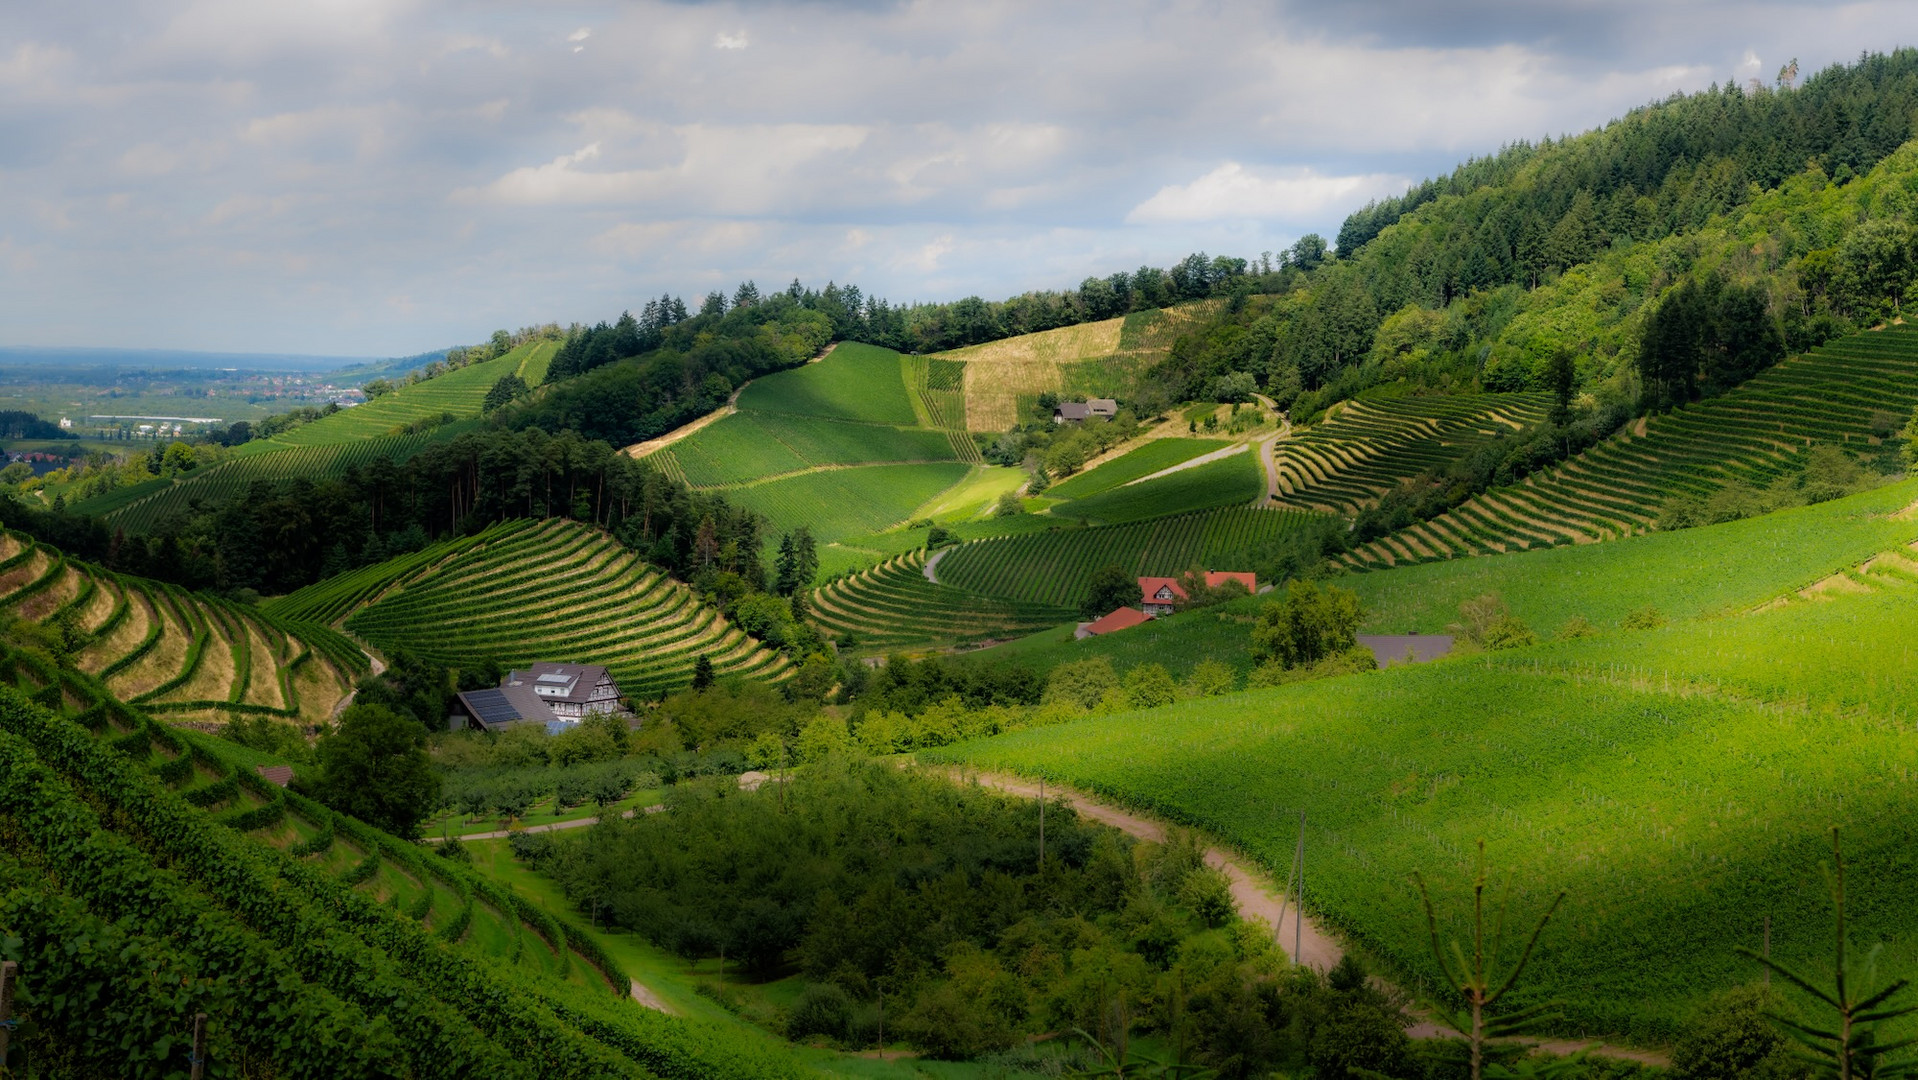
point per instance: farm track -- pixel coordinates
(1257, 896)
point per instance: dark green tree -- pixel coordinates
(373, 765)
(1306, 625)
(798, 563)
(1111, 589)
(508, 387)
(1563, 375)
(702, 672)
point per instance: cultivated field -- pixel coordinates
(176, 652)
(752, 446)
(1229, 481)
(1676, 821)
(370, 956)
(848, 501)
(554, 590)
(139, 508)
(1056, 567)
(1134, 464)
(893, 605)
(1370, 447)
(460, 393)
(854, 382)
(1753, 433)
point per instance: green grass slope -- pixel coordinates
(1676, 783)
(459, 392)
(1134, 464)
(1229, 481)
(554, 590)
(854, 382)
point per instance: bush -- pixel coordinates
(1148, 686)
(1645, 618)
(454, 851)
(1307, 625)
(1082, 683)
(1731, 1039)
(1578, 626)
(1508, 632)
(823, 1009)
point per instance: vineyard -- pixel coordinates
(155, 868)
(1678, 821)
(1229, 481)
(893, 605)
(1133, 465)
(1370, 447)
(848, 501)
(856, 382)
(751, 446)
(1056, 567)
(460, 393)
(554, 590)
(177, 652)
(1754, 433)
(233, 478)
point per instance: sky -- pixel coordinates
(384, 177)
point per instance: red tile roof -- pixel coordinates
(1216, 578)
(279, 774)
(1118, 620)
(1149, 588)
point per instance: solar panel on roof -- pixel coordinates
(554, 679)
(492, 707)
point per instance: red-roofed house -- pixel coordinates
(277, 774)
(1160, 595)
(1216, 578)
(1121, 619)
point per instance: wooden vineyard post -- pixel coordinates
(1042, 824)
(198, 1059)
(7, 971)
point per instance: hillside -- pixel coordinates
(1676, 782)
(396, 425)
(314, 944)
(528, 591)
(175, 652)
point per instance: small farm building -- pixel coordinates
(1078, 412)
(1161, 595)
(500, 708)
(1122, 619)
(570, 690)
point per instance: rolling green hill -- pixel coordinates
(153, 866)
(1834, 395)
(530, 591)
(1676, 782)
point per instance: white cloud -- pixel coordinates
(1232, 192)
(723, 40)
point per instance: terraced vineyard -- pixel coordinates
(1754, 433)
(1228, 481)
(315, 945)
(176, 652)
(459, 392)
(894, 605)
(754, 446)
(848, 502)
(939, 395)
(1370, 447)
(1057, 567)
(232, 479)
(554, 590)
(1135, 464)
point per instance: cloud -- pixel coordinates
(1232, 192)
(235, 174)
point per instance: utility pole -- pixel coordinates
(1298, 919)
(7, 971)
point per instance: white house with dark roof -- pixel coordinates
(571, 691)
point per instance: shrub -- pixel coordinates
(1645, 618)
(1309, 624)
(1508, 632)
(1578, 626)
(1148, 686)
(1082, 683)
(1731, 1039)
(1209, 895)
(455, 851)
(823, 1009)
(1211, 678)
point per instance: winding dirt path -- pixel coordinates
(1192, 463)
(1258, 897)
(641, 449)
(933, 563)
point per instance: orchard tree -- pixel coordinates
(1111, 589)
(373, 765)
